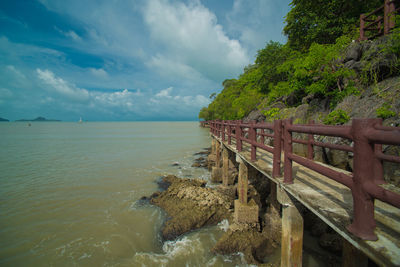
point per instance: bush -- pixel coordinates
(384, 111)
(336, 117)
(271, 114)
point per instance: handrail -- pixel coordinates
(389, 12)
(367, 136)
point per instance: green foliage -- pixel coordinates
(318, 32)
(322, 22)
(336, 117)
(271, 114)
(384, 111)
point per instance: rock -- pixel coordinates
(255, 115)
(196, 165)
(190, 205)
(175, 164)
(201, 153)
(354, 65)
(255, 245)
(200, 159)
(354, 52)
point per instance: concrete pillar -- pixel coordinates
(217, 154)
(353, 257)
(243, 182)
(245, 212)
(292, 231)
(225, 166)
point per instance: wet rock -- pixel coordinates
(190, 205)
(248, 239)
(196, 165)
(175, 164)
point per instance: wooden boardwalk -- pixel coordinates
(333, 203)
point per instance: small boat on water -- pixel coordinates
(80, 120)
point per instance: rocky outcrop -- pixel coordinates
(255, 115)
(190, 205)
(248, 239)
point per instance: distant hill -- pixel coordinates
(2, 119)
(38, 119)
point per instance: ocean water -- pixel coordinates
(69, 191)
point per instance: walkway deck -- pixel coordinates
(332, 202)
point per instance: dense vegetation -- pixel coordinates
(318, 31)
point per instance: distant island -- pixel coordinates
(2, 119)
(38, 119)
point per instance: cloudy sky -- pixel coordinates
(126, 59)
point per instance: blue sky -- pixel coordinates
(128, 60)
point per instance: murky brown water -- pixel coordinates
(68, 194)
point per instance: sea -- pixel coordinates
(70, 194)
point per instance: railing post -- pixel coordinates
(223, 131)
(262, 137)
(238, 136)
(363, 224)
(253, 140)
(386, 17)
(287, 136)
(362, 26)
(378, 166)
(310, 147)
(229, 134)
(276, 164)
(392, 15)
(379, 18)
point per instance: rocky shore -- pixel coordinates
(191, 204)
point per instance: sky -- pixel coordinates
(127, 60)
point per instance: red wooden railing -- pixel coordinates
(372, 22)
(367, 135)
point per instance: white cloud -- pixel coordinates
(16, 72)
(62, 87)
(124, 99)
(192, 36)
(101, 73)
(165, 93)
(69, 34)
(73, 35)
(257, 23)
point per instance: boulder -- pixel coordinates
(190, 205)
(248, 239)
(255, 115)
(353, 52)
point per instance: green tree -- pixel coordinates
(323, 21)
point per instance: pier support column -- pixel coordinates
(217, 154)
(216, 171)
(211, 158)
(352, 256)
(225, 166)
(245, 212)
(292, 231)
